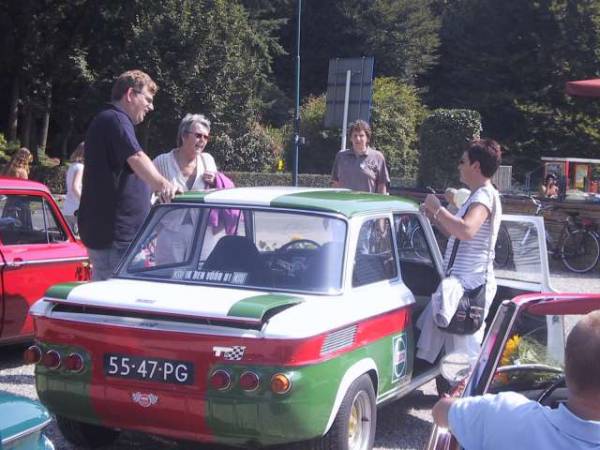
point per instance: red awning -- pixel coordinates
(584, 88)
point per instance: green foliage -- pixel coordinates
(252, 151)
(401, 35)
(396, 115)
(321, 145)
(510, 60)
(443, 136)
(53, 177)
(7, 149)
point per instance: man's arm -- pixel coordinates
(441, 410)
(145, 169)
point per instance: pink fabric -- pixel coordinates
(225, 217)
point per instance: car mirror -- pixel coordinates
(455, 367)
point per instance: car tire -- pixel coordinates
(355, 423)
(84, 434)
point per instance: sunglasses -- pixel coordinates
(198, 135)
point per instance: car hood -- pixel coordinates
(20, 415)
(155, 298)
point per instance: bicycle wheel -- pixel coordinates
(419, 243)
(580, 251)
(503, 248)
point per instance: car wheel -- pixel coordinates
(85, 434)
(355, 423)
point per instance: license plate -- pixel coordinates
(149, 369)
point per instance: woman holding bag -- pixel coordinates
(472, 232)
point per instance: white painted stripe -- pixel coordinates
(260, 196)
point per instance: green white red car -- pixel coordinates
(254, 317)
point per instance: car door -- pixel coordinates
(421, 262)
(38, 250)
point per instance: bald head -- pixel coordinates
(582, 356)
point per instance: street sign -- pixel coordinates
(359, 92)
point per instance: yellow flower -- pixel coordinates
(512, 347)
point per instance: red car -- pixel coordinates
(37, 250)
(523, 352)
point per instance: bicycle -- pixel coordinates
(578, 245)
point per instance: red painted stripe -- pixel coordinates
(173, 345)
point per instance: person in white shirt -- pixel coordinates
(189, 168)
(476, 225)
(511, 421)
(74, 178)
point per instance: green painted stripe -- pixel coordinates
(191, 196)
(235, 416)
(347, 203)
(256, 307)
(62, 290)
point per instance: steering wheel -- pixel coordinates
(550, 389)
(301, 243)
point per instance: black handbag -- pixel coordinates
(470, 313)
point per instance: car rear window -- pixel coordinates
(258, 248)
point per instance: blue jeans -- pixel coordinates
(105, 260)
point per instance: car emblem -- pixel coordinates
(234, 353)
(144, 400)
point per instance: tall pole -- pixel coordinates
(297, 139)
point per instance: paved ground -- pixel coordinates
(404, 424)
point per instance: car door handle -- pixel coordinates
(16, 263)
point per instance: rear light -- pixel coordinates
(51, 359)
(32, 355)
(249, 381)
(74, 362)
(220, 380)
(280, 383)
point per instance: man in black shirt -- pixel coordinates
(118, 177)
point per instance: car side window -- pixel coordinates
(410, 239)
(28, 219)
(375, 258)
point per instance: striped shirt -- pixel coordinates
(474, 254)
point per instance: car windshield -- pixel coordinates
(533, 355)
(258, 248)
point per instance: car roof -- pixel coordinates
(19, 183)
(341, 201)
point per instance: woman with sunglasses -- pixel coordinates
(188, 167)
(475, 225)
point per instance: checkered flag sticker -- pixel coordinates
(235, 354)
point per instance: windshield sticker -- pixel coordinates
(399, 357)
(212, 276)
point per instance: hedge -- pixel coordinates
(54, 178)
(443, 136)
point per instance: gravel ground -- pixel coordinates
(402, 425)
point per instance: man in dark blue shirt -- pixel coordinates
(118, 177)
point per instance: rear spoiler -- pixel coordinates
(251, 313)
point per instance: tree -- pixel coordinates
(397, 113)
(510, 60)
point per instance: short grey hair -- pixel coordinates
(186, 125)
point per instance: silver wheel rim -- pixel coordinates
(359, 422)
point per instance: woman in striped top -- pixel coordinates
(476, 225)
